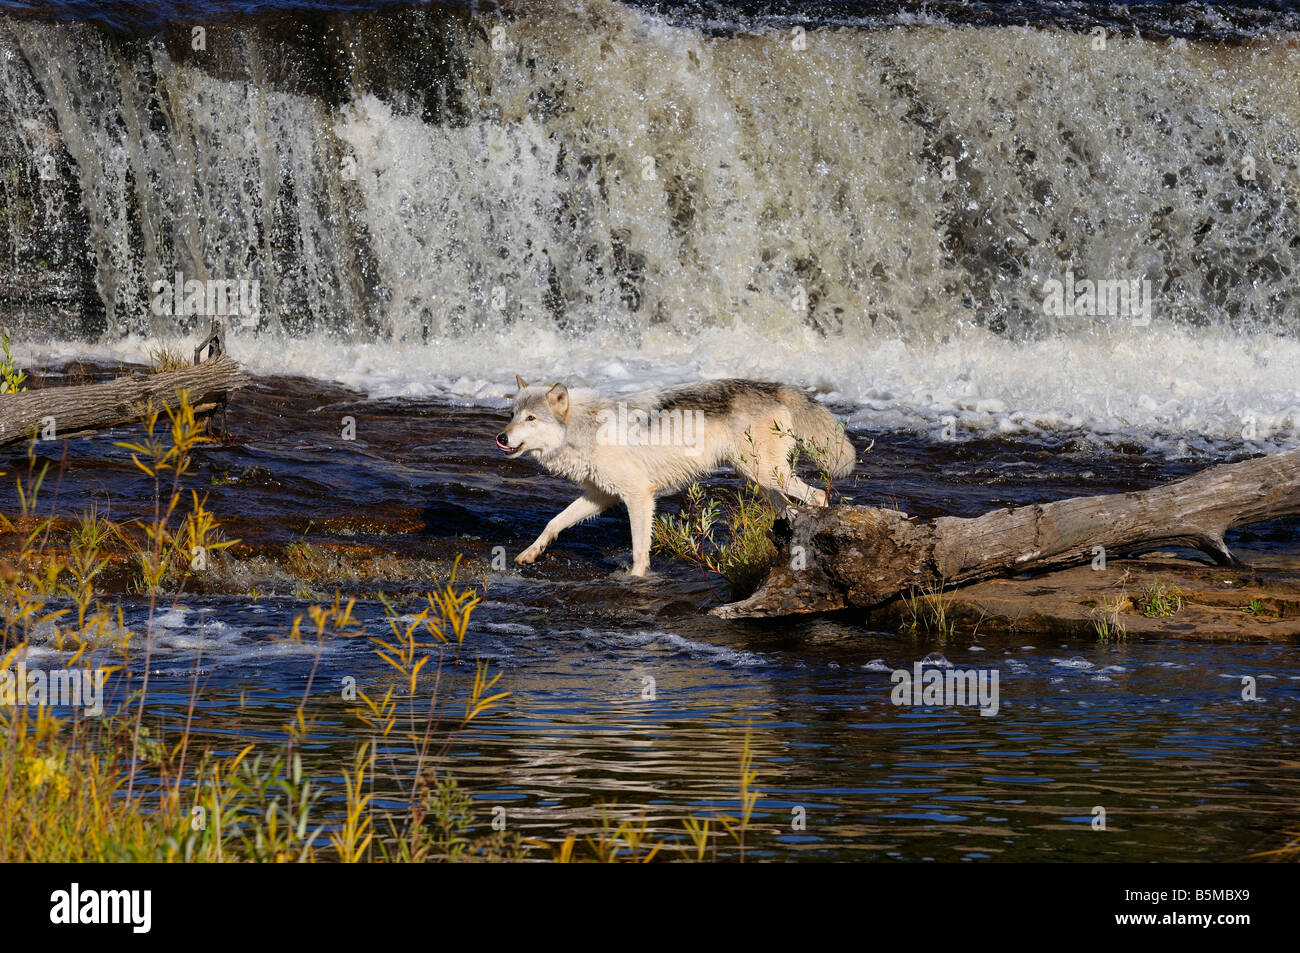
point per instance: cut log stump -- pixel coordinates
(860, 556)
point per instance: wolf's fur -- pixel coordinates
(752, 425)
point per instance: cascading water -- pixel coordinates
(432, 199)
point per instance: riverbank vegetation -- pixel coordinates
(122, 784)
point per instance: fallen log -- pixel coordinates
(74, 411)
(1205, 603)
(861, 556)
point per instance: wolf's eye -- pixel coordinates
(529, 417)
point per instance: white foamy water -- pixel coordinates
(1172, 390)
(677, 645)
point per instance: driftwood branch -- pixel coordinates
(859, 556)
(81, 409)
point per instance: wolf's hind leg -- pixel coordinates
(771, 471)
(782, 489)
(801, 492)
(592, 503)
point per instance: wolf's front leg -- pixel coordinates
(592, 503)
(641, 514)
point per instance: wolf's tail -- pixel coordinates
(823, 437)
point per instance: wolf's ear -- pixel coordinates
(520, 382)
(557, 398)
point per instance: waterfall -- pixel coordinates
(468, 187)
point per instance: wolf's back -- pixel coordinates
(822, 434)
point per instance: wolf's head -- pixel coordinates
(538, 421)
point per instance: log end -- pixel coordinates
(836, 557)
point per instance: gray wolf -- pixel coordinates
(632, 448)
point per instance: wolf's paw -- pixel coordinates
(530, 555)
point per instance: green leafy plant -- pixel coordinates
(1159, 600)
(728, 539)
(1106, 622)
(1257, 608)
(928, 612)
(11, 378)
